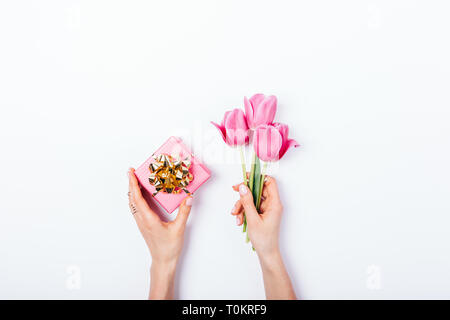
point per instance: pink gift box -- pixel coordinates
(174, 147)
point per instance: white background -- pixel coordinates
(89, 88)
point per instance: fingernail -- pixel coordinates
(189, 202)
(242, 190)
(238, 220)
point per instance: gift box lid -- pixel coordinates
(177, 149)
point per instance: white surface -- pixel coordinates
(89, 88)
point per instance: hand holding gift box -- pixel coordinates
(171, 174)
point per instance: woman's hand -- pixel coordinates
(164, 239)
(263, 228)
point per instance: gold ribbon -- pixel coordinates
(170, 175)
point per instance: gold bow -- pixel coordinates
(170, 175)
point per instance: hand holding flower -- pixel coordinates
(263, 228)
(270, 140)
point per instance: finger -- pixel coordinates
(237, 208)
(184, 211)
(263, 207)
(135, 195)
(236, 186)
(240, 219)
(270, 188)
(247, 203)
(265, 193)
(136, 199)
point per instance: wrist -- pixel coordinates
(162, 275)
(163, 267)
(271, 259)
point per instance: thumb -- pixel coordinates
(247, 203)
(183, 211)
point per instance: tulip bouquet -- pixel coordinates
(270, 140)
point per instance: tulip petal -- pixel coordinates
(267, 142)
(235, 119)
(269, 106)
(256, 99)
(221, 129)
(291, 143)
(284, 130)
(236, 129)
(260, 110)
(248, 112)
(264, 111)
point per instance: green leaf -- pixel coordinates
(256, 180)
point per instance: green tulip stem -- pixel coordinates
(244, 174)
(263, 176)
(244, 168)
(251, 184)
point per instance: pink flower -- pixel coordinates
(233, 128)
(267, 142)
(260, 110)
(272, 141)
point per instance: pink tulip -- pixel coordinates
(271, 141)
(267, 142)
(260, 109)
(233, 128)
